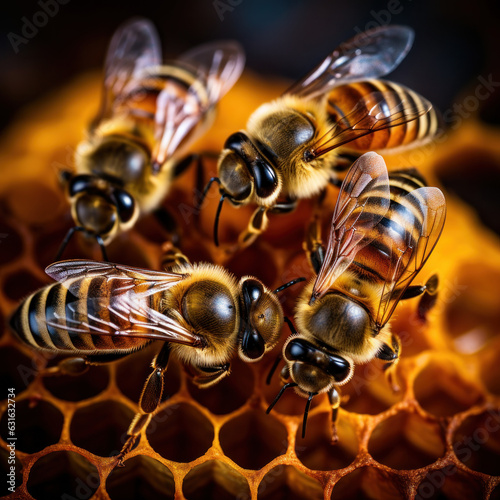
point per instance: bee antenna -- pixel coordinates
(216, 223)
(306, 413)
(273, 369)
(205, 191)
(276, 399)
(66, 240)
(286, 285)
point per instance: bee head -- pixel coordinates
(313, 368)
(100, 206)
(246, 174)
(261, 320)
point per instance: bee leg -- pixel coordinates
(391, 354)
(429, 296)
(313, 244)
(284, 207)
(149, 401)
(205, 376)
(256, 226)
(69, 366)
(172, 257)
(334, 398)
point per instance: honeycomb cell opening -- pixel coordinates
(37, 425)
(253, 439)
(442, 391)
(16, 369)
(79, 387)
(62, 474)
(101, 428)
(476, 442)
(215, 479)
(406, 441)
(285, 482)
(368, 482)
(142, 477)
(230, 393)
(133, 371)
(180, 433)
(11, 241)
(316, 450)
(449, 482)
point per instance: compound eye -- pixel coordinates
(80, 183)
(253, 345)
(125, 204)
(338, 367)
(252, 289)
(265, 178)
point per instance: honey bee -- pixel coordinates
(383, 230)
(297, 144)
(98, 312)
(150, 113)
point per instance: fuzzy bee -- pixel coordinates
(294, 146)
(384, 227)
(150, 114)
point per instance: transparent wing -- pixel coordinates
(134, 47)
(180, 119)
(409, 257)
(362, 203)
(119, 307)
(377, 111)
(371, 54)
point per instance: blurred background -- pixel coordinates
(455, 41)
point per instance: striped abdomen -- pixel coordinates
(342, 100)
(393, 238)
(79, 316)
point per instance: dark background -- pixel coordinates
(455, 41)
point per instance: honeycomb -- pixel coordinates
(439, 437)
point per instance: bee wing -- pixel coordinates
(379, 111)
(362, 203)
(120, 309)
(410, 256)
(371, 54)
(217, 65)
(134, 46)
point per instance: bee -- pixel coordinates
(99, 312)
(294, 146)
(150, 114)
(383, 230)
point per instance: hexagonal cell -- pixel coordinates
(20, 283)
(477, 442)
(79, 387)
(316, 450)
(230, 393)
(16, 369)
(101, 428)
(32, 202)
(10, 468)
(253, 439)
(62, 474)
(441, 390)
(142, 477)
(473, 309)
(180, 433)
(410, 328)
(285, 482)
(449, 482)
(368, 483)
(215, 479)
(37, 426)
(133, 371)
(368, 392)
(406, 441)
(11, 241)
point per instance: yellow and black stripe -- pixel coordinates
(342, 100)
(397, 232)
(90, 311)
